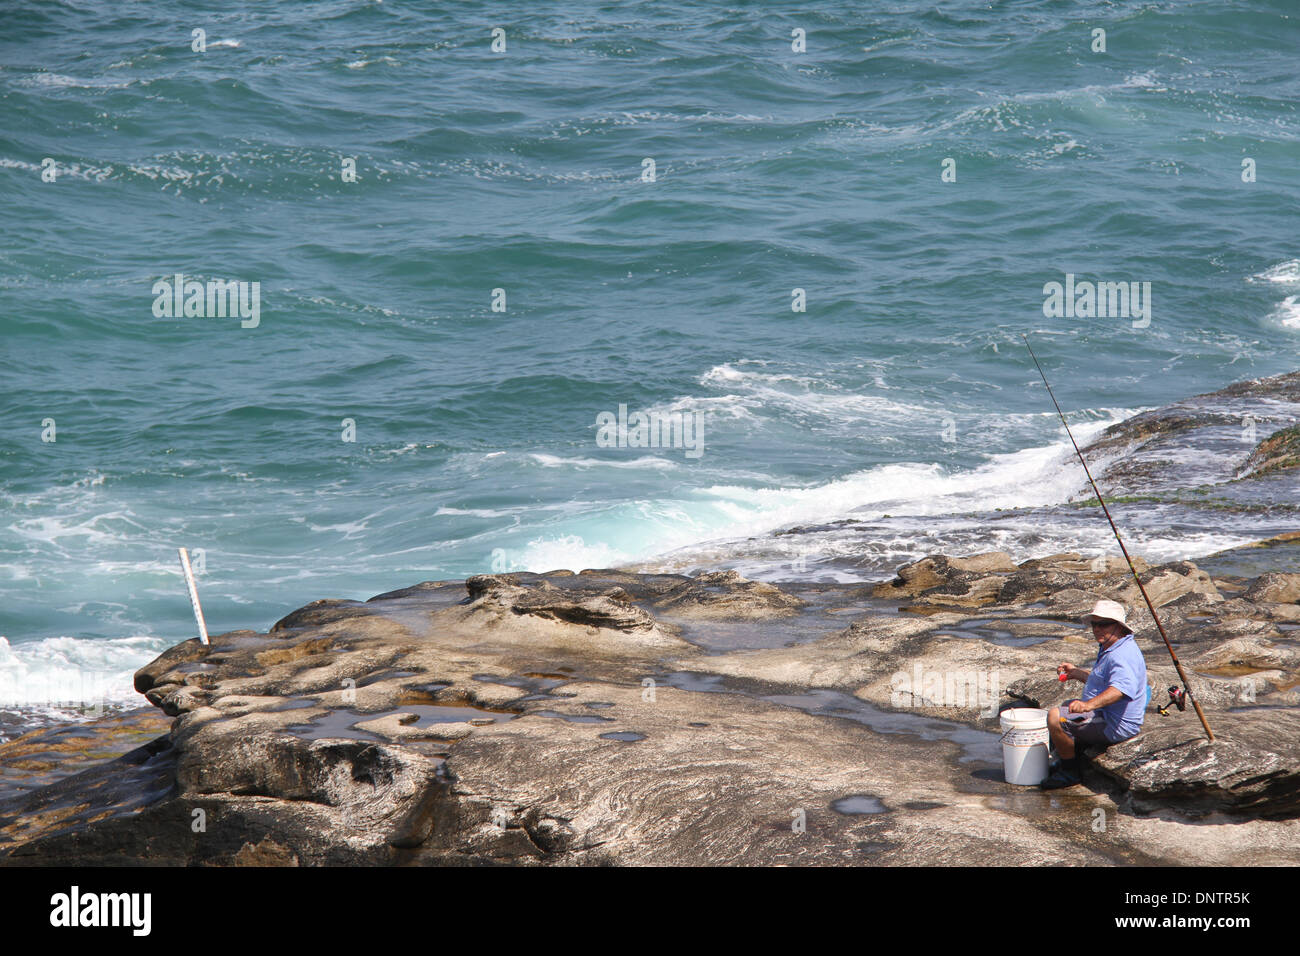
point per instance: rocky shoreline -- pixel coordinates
(615, 717)
(594, 718)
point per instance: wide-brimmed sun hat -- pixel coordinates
(1108, 611)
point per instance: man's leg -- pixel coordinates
(1066, 773)
(1061, 741)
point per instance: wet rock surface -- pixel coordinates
(1235, 450)
(598, 718)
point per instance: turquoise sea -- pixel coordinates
(919, 171)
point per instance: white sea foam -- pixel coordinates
(1284, 272)
(557, 461)
(751, 390)
(569, 552)
(1032, 477)
(1028, 478)
(63, 170)
(362, 64)
(1004, 115)
(409, 446)
(1287, 312)
(59, 672)
(1142, 81)
(475, 512)
(348, 528)
(73, 531)
(61, 81)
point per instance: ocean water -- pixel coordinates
(390, 418)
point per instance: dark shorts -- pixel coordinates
(1089, 728)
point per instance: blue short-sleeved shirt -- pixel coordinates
(1124, 668)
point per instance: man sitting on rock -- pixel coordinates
(1114, 695)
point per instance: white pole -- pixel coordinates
(194, 594)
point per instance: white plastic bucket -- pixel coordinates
(1024, 746)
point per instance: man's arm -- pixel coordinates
(1107, 697)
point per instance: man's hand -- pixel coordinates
(1071, 672)
(1107, 697)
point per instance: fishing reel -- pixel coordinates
(1177, 698)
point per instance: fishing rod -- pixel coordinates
(1155, 617)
